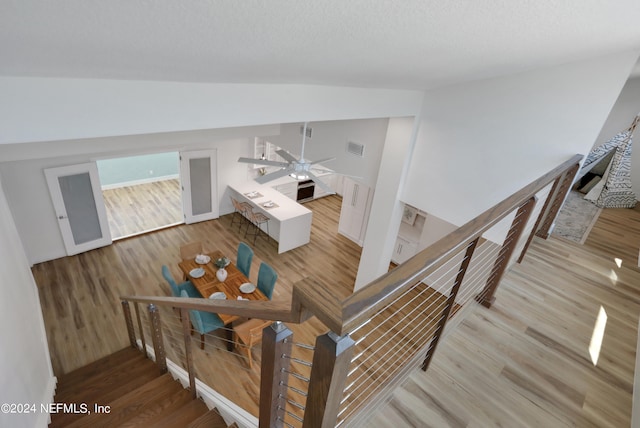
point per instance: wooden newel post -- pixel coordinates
(486, 297)
(274, 374)
(144, 343)
(331, 361)
(129, 321)
(156, 335)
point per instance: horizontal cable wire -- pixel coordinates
(300, 345)
(417, 308)
(406, 340)
(392, 302)
(296, 375)
(295, 404)
(425, 290)
(294, 416)
(373, 387)
(420, 293)
(296, 360)
(296, 390)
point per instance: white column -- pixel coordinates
(386, 209)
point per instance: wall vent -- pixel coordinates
(355, 148)
(308, 131)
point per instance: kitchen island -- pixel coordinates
(289, 222)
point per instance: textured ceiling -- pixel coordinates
(372, 43)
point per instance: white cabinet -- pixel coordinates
(290, 190)
(328, 179)
(409, 235)
(404, 249)
(354, 215)
(417, 231)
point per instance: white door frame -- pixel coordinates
(188, 186)
(52, 175)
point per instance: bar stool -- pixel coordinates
(257, 219)
(242, 209)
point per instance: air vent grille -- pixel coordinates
(309, 130)
(355, 148)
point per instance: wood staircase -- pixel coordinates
(137, 394)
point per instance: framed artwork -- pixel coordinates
(409, 215)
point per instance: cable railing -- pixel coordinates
(382, 332)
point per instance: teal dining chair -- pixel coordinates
(176, 289)
(203, 322)
(266, 279)
(244, 258)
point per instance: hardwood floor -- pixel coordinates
(83, 315)
(524, 362)
(141, 208)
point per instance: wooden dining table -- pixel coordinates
(209, 284)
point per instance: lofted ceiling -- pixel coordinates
(412, 44)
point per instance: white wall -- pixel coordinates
(44, 109)
(329, 139)
(28, 195)
(624, 111)
(26, 375)
(481, 141)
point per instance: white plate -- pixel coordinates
(196, 273)
(268, 204)
(247, 287)
(202, 259)
(218, 295)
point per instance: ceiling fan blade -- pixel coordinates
(263, 162)
(273, 175)
(322, 160)
(286, 155)
(320, 183)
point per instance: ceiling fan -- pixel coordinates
(300, 169)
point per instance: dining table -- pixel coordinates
(208, 284)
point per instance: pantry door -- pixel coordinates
(199, 185)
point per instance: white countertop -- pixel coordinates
(286, 209)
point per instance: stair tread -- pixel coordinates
(107, 395)
(165, 406)
(211, 419)
(185, 415)
(93, 386)
(104, 363)
(128, 406)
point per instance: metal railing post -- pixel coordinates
(156, 335)
(144, 343)
(186, 332)
(129, 322)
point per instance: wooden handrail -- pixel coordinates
(309, 297)
(267, 310)
(359, 307)
(341, 317)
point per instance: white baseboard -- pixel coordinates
(44, 419)
(229, 411)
